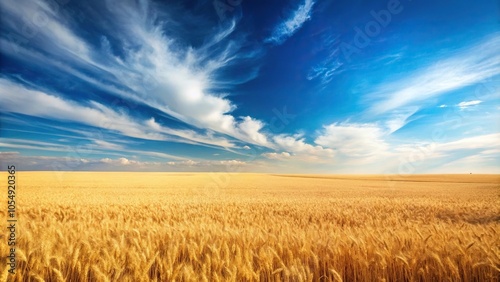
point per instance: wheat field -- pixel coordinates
(88, 226)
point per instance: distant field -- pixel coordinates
(89, 226)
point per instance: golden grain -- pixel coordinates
(171, 227)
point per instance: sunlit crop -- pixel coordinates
(255, 227)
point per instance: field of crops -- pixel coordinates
(253, 227)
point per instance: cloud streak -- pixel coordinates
(157, 71)
(289, 26)
(19, 99)
(138, 80)
(466, 104)
(466, 67)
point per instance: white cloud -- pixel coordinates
(277, 156)
(249, 130)
(465, 104)
(330, 65)
(208, 164)
(45, 27)
(191, 135)
(325, 71)
(452, 156)
(443, 106)
(75, 163)
(17, 98)
(231, 163)
(153, 70)
(300, 150)
(466, 67)
(354, 140)
(107, 145)
(79, 151)
(106, 160)
(480, 164)
(179, 80)
(399, 119)
(45, 163)
(124, 161)
(288, 27)
(32, 146)
(489, 141)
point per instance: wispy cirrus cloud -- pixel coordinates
(466, 67)
(330, 63)
(481, 163)
(465, 104)
(141, 77)
(19, 99)
(289, 26)
(44, 25)
(151, 67)
(400, 118)
(480, 142)
(478, 154)
(325, 71)
(32, 145)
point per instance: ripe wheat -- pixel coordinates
(254, 227)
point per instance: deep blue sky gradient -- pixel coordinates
(269, 86)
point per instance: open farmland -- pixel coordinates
(89, 226)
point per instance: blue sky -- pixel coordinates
(229, 85)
